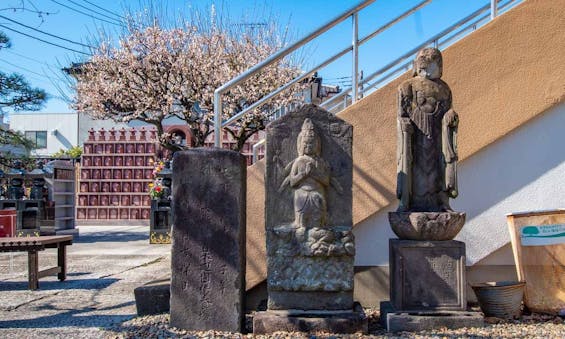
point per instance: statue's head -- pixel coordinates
(308, 142)
(167, 182)
(38, 182)
(17, 182)
(428, 64)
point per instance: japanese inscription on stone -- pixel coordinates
(208, 252)
(428, 275)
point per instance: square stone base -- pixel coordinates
(344, 321)
(313, 300)
(427, 275)
(153, 298)
(421, 321)
(394, 321)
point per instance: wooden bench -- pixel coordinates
(32, 245)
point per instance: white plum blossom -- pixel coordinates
(153, 73)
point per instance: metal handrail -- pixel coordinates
(401, 64)
(270, 60)
(435, 40)
(356, 42)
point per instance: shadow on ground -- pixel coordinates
(111, 237)
(78, 284)
(72, 317)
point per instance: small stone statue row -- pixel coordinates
(133, 134)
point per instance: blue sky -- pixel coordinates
(40, 62)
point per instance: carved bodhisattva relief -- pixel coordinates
(309, 249)
(309, 177)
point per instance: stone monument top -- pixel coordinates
(308, 221)
(310, 246)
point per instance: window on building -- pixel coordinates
(39, 138)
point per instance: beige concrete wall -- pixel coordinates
(372, 284)
(501, 76)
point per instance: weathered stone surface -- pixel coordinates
(353, 321)
(153, 298)
(208, 250)
(426, 144)
(427, 275)
(310, 246)
(420, 321)
(435, 226)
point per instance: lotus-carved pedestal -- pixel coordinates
(434, 226)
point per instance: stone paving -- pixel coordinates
(104, 266)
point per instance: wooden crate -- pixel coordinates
(538, 243)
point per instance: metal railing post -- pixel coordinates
(355, 57)
(256, 147)
(493, 9)
(217, 118)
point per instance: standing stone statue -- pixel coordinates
(310, 244)
(427, 154)
(427, 268)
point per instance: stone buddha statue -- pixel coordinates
(426, 154)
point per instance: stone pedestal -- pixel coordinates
(427, 275)
(351, 321)
(421, 321)
(436, 226)
(208, 245)
(427, 287)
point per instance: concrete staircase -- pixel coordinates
(504, 77)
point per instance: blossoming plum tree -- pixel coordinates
(154, 73)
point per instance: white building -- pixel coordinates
(50, 131)
(55, 131)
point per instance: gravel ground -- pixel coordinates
(531, 326)
(97, 301)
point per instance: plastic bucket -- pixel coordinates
(501, 299)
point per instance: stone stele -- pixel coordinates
(310, 245)
(208, 248)
(427, 155)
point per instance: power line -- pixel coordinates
(90, 9)
(338, 78)
(43, 76)
(26, 70)
(83, 13)
(45, 41)
(46, 33)
(28, 58)
(35, 78)
(104, 9)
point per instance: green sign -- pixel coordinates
(543, 235)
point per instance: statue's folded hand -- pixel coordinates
(451, 118)
(406, 125)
